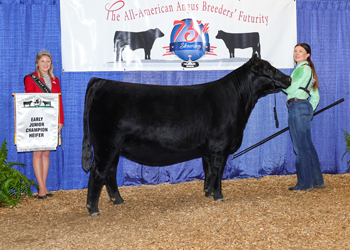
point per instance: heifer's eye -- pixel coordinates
(269, 70)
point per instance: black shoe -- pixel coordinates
(42, 197)
(297, 188)
(320, 186)
(49, 195)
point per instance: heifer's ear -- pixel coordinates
(254, 59)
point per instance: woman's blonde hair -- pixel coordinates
(308, 50)
(42, 53)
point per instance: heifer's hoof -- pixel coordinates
(91, 212)
(94, 214)
(208, 194)
(117, 202)
(219, 199)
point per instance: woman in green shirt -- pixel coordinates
(300, 113)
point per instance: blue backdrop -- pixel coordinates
(27, 26)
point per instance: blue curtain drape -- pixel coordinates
(27, 26)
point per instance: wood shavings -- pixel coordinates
(258, 214)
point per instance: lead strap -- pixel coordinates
(275, 113)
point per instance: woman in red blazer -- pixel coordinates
(41, 160)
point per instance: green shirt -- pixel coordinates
(300, 78)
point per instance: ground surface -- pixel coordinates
(258, 214)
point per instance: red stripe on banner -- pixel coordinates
(168, 53)
(211, 52)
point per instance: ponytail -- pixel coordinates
(316, 85)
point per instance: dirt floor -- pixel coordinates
(258, 214)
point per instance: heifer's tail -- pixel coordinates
(87, 153)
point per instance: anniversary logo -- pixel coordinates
(189, 40)
(36, 121)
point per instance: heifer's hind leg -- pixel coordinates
(103, 161)
(94, 190)
(207, 177)
(112, 185)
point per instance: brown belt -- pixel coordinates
(294, 100)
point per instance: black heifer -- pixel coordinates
(135, 40)
(47, 103)
(240, 41)
(27, 103)
(163, 125)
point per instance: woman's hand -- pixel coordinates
(60, 125)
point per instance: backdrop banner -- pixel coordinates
(110, 35)
(36, 121)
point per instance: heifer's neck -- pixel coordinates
(244, 97)
(244, 81)
(243, 94)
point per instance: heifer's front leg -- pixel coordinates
(112, 185)
(217, 165)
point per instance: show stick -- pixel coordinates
(282, 131)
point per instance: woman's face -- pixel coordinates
(300, 54)
(44, 64)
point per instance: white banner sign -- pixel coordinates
(36, 121)
(110, 35)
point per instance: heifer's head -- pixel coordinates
(266, 78)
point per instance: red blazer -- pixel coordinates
(31, 87)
